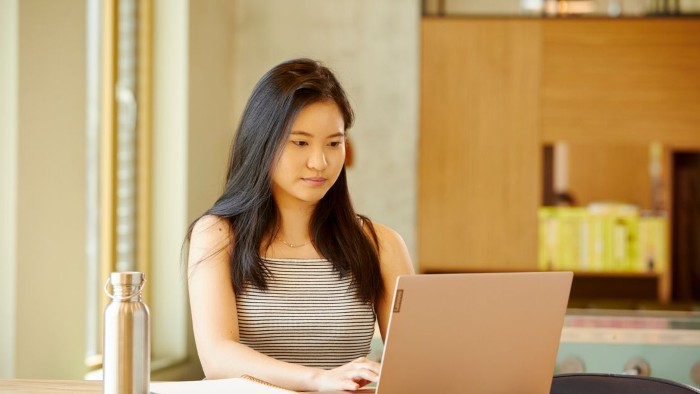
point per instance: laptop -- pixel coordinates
(474, 333)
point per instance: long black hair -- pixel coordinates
(336, 231)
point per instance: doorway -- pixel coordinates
(686, 227)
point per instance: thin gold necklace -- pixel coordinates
(293, 246)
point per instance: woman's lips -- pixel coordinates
(315, 181)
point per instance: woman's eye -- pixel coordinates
(335, 144)
(300, 143)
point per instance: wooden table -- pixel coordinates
(24, 386)
(27, 386)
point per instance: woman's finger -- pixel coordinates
(367, 363)
(363, 374)
(349, 384)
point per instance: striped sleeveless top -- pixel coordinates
(308, 315)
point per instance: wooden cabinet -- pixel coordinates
(494, 91)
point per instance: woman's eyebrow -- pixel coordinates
(306, 134)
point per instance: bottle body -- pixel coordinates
(127, 342)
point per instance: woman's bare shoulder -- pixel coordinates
(384, 233)
(211, 227)
(392, 248)
(208, 223)
(210, 236)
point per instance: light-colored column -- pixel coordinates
(169, 214)
(8, 184)
(50, 192)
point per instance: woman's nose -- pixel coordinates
(317, 160)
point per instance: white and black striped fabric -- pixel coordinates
(308, 315)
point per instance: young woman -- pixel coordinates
(285, 279)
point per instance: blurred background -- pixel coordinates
(509, 135)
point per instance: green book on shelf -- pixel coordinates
(651, 246)
(572, 237)
(548, 230)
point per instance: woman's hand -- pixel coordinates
(350, 376)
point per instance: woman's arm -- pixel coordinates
(215, 323)
(394, 260)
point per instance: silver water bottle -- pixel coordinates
(127, 339)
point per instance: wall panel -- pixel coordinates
(621, 81)
(479, 158)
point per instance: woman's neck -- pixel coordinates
(294, 223)
(293, 236)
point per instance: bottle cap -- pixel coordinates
(126, 278)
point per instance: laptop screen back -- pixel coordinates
(474, 333)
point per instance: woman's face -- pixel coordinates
(312, 157)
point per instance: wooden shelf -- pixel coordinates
(597, 274)
(591, 274)
(641, 286)
(629, 285)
